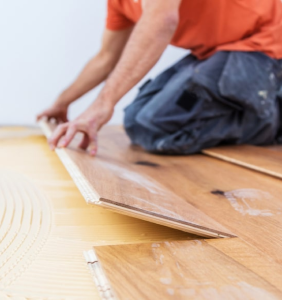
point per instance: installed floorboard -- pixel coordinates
(262, 159)
(246, 202)
(185, 270)
(251, 258)
(122, 182)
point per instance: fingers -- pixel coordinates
(57, 134)
(63, 119)
(65, 133)
(45, 114)
(85, 142)
(93, 145)
(40, 116)
(54, 113)
(67, 138)
(90, 143)
(57, 119)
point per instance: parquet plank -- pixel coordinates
(251, 258)
(115, 182)
(183, 270)
(262, 159)
(246, 202)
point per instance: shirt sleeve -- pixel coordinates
(116, 20)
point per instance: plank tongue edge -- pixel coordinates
(165, 220)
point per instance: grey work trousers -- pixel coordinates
(229, 98)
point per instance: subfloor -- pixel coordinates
(46, 225)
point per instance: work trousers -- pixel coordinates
(229, 98)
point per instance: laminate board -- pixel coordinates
(45, 224)
(113, 181)
(246, 202)
(251, 258)
(262, 159)
(182, 270)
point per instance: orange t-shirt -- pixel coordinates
(207, 26)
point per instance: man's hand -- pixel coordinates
(88, 123)
(95, 72)
(144, 46)
(57, 111)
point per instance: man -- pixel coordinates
(227, 91)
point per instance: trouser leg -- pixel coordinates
(230, 98)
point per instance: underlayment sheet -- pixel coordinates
(45, 225)
(267, 160)
(124, 184)
(181, 270)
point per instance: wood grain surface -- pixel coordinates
(126, 181)
(244, 201)
(262, 159)
(189, 270)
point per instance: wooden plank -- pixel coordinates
(260, 159)
(45, 224)
(251, 258)
(246, 202)
(114, 181)
(182, 270)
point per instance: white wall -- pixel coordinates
(43, 46)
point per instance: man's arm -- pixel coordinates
(146, 44)
(95, 72)
(150, 38)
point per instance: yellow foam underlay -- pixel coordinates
(46, 224)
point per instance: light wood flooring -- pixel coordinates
(139, 259)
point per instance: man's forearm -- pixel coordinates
(95, 72)
(144, 48)
(146, 44)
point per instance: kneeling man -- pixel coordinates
(227, 91)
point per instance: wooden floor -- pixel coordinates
(246, 202)
(196, 269)
(45, 224)
(141, 260)
(239, 199)
(266, 160)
